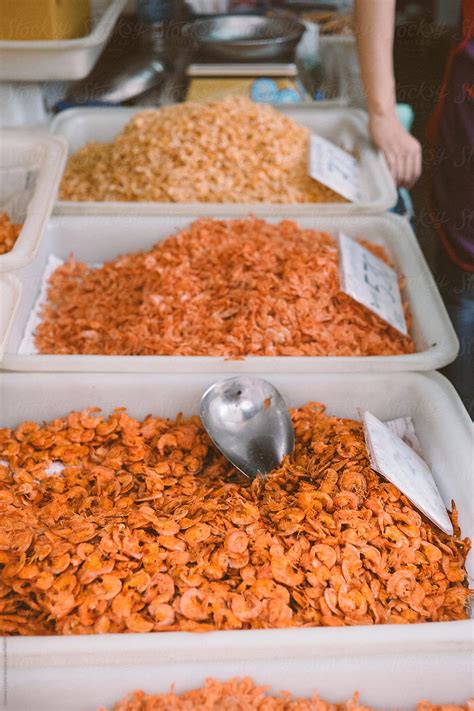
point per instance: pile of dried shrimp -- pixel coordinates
(148, 528)
(225, 151)
(229, 288)
(243, 695)
(9, 233)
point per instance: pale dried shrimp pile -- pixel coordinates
(9, 233)
(219, 288)
(149, 528)
(244, 695)
(223, 151)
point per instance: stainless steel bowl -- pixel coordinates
(245, 38)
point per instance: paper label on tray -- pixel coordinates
(404, 428)
(401, 465)
(371, 282)
(334, 167)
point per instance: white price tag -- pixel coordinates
(404, 428)
(397, 462)
(371, 282)
(334, 167)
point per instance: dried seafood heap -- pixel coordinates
(223, 151)
(9, 233)
(149, 528)
(219, 288)
(244, 695)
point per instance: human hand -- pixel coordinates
(402, 151)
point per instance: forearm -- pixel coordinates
(374, 26)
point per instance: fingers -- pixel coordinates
(399, 170)
(406, 178)
(397, 164)
(418, 163)
(391, 159)
(402, 168)
(401, 150)
(410, 169)
(410, 175)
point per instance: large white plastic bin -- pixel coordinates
(97, 239)
(31, 164)
(10, 293)
(393, 665)
(345, 127)
(60, 60)
(80, 674)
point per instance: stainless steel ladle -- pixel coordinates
(248, 421)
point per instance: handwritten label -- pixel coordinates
(371, 282)
(401, 465)
(334, 167)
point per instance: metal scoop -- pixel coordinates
(248, 421)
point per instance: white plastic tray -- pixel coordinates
(393, 665)
(84, 674)
(31, 164)
(97, 239)
(60, 60)
(346, 127)
(10, 293)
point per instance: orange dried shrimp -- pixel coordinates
(218, 288)
(227, 151)
(243, 695)
(148, 528)
(9, 233)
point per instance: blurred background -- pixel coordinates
(152, 56)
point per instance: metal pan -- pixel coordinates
(245, 38)
(118, 81)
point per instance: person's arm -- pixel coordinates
(374, 27)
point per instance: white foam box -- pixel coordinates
(31, 164)
(97, 239)
(393, 666)
(345, 127)
(60, 60)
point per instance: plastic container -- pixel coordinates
(346, 127)
(31, 166)
(65, 60)
(97, 239)
(334, 91)
(10, 293)
(393, 666)
(337, 54)
(83, 675)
